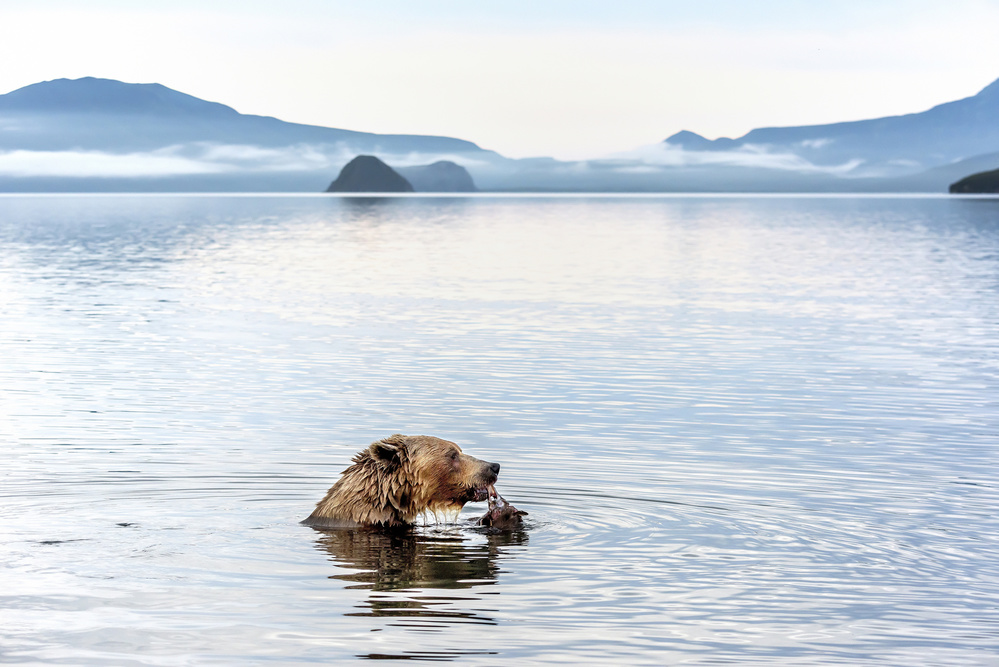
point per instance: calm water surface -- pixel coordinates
(747, 430)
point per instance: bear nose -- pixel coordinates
(495, 468)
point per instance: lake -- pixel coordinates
(748, 430)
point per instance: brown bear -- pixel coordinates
(396, 479)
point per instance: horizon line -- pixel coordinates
(521, 195)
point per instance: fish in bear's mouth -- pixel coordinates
(482, 493)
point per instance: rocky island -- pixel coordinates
(985, 182)
(366, 173)
(441, 176)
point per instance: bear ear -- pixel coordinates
(389, 451)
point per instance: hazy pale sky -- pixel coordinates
(565, 78)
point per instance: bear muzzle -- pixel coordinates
(483, 491)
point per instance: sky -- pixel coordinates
(563, 78)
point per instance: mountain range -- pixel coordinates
(892, 146)
(103, 135)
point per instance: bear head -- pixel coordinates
(400, 477)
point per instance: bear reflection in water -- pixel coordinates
(407, 575)
(390, 560)
(408, 561)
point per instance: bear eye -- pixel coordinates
(454, 456)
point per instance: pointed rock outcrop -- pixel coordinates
(366, 173)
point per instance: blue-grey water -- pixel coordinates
(748, 430)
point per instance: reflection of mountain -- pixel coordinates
(397, 566)
(102, 135)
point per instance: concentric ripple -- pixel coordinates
(746, 430)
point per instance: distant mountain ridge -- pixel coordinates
(109, 115)
(889, 146)
(91, 134)
(90, 94)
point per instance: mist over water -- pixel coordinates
(749, 430)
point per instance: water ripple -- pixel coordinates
(756, 431)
